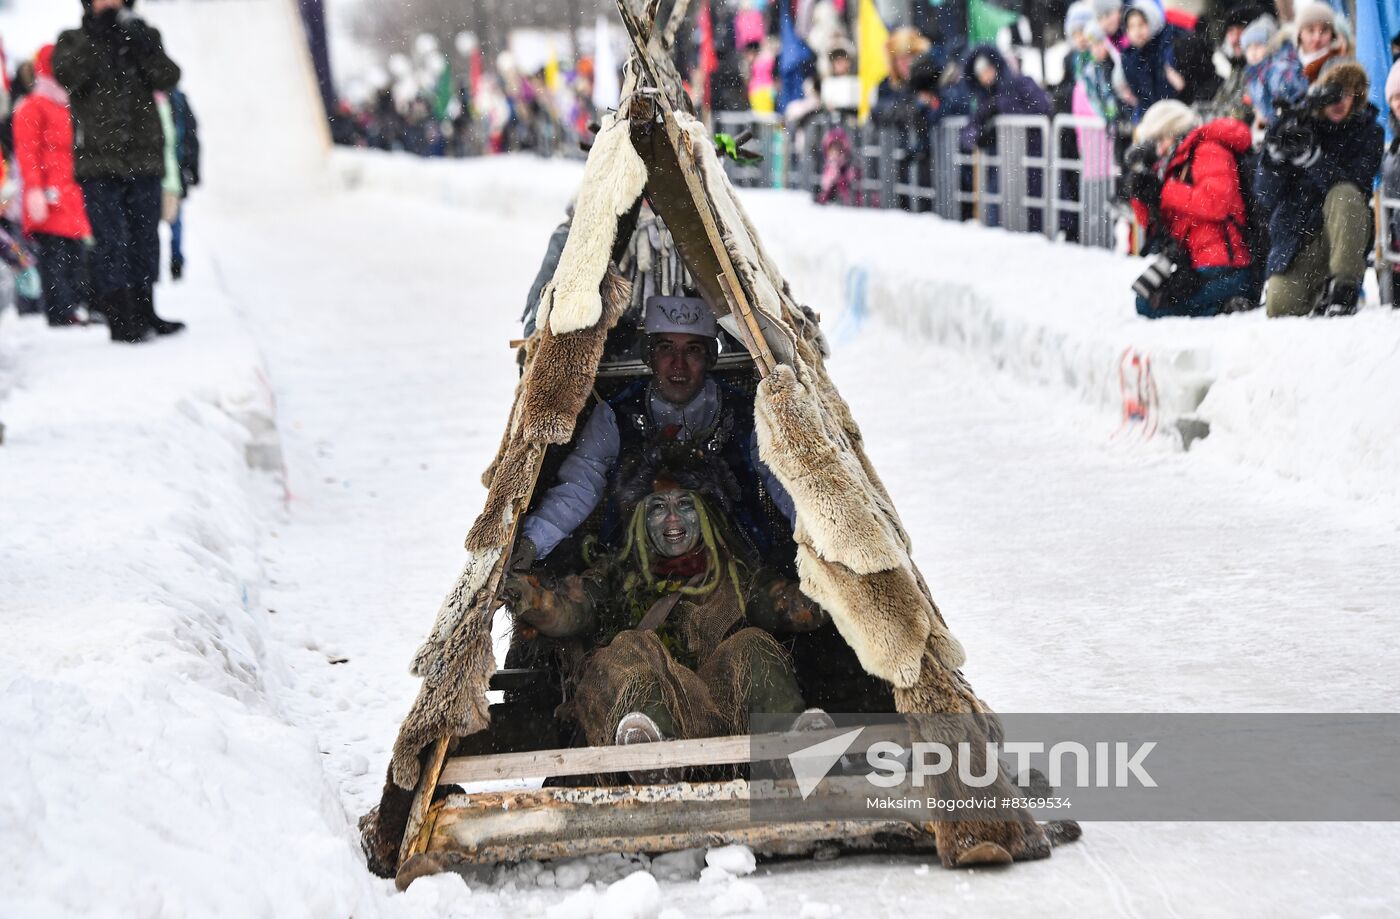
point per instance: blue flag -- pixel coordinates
(795, 59)
(1376, 22)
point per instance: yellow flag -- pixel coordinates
(874, 64)
(551, 70)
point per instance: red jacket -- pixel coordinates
(1202, 205)
(43, 129)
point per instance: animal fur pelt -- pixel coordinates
(612, 179)
(456, 661)
(853, 551)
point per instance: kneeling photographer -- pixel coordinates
(1183, 180)
(1319, 162)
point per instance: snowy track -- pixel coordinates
(1081, 574)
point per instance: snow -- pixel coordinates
(219, 551)
(729, 861)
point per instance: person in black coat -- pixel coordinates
(1315, 178)
(112, 67)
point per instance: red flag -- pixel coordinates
(709, 61)
(475, 74)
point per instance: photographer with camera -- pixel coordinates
(1184, 183)
(1315, 175)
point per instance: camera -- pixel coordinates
(1293, 135)
(1141, 157)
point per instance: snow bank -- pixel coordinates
(1309, 400)
(249, 78)
(147, 769)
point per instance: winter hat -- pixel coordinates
(1317, 12)
(1079, 15)
(43, 61)
(1392, 82)
(1259, 32)
(1094, 32)
(1168, 119)
(1104, 7)
(1351, 77)
(1241, 16)
(685, 315)
(1156, 19)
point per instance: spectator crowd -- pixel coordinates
(1243, 138)
(100, 147)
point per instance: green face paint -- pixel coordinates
(672, 522)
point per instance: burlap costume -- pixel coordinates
(701, 672)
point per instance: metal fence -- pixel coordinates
(1054, 176)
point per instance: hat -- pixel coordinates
(1317, 12)
(1351, 77)
(1104, 7)
(1079, 15)
(1241, 16)
(1094, 32)
(1156, 19)
(1392, 82)
(1167, 120)
(43, 61)
(682, 315)
(1259, 32)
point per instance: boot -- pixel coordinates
(66, 317)
(122, 322)
(145, 298)
(1339, 298)
(638, 728)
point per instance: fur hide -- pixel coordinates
(612, 179)
(456, 661)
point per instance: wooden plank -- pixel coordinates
(705, 751)
(564, 822)
(415, 834)
(415, 837)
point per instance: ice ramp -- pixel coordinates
(248, 75)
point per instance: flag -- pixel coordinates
(444, 91)
(874, 64)
(795, 60)
(984, 21)
(1375, 23)
(475, 73)
(607, 91)
(551, 71)
(709, 60)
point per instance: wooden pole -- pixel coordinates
(690, 170)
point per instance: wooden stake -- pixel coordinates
(690, 170)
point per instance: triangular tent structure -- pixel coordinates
(852, 553)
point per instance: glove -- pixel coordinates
(36, 205)
(139, 36)
(523, 558)
(986, 135)
(1291, 140)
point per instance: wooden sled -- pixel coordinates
(893, 651)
